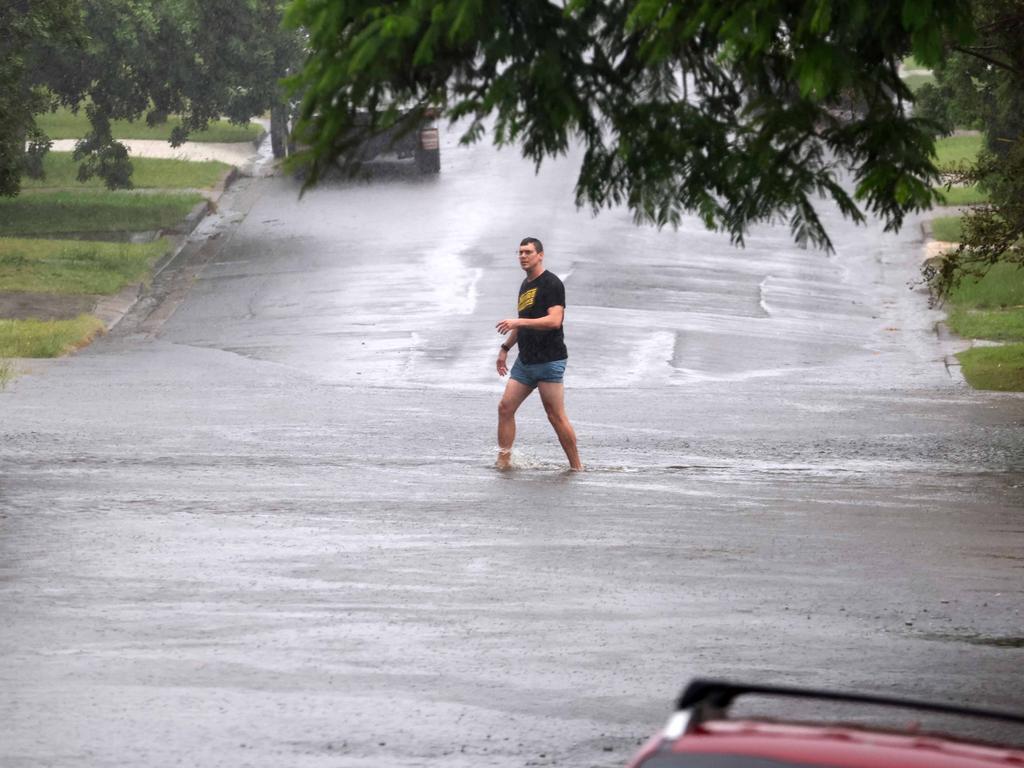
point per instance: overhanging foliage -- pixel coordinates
(739, 112)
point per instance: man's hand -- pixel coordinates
(502, 362)
(509, 324)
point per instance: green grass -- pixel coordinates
(6, 373)
(74, 266)
(947, 228)
(148, 173)
(914, 82)
(64, 124)
(971, 195)
(911, 63)
(44, 213)
(46, 338)
(992, 308)
(994, 368)
(953, 151)
(995, 324)
(1001, 288)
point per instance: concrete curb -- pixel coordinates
(112, 309)
(932, 250)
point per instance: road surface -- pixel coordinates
(258, 525)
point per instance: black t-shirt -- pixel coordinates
(536, 297)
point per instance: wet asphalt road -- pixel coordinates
(257, 525)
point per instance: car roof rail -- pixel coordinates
(705, 699)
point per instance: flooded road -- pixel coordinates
(258, 523)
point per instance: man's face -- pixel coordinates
(529, 257)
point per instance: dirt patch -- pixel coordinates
(44, 306)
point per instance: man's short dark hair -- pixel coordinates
(534, 242)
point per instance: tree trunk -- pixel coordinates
(279, 130)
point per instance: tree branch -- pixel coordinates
(989, 59)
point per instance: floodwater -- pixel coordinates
(258, 523)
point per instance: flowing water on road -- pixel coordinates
(260, 526)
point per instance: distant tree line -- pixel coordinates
(739, 112)
(136, 59)
(980, 84)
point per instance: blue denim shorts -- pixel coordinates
(531, 374)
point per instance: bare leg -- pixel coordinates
(515, 393)
(552, 395)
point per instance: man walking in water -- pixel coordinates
(542, 354)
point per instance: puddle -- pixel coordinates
(991, 641)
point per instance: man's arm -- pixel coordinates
(506, 345)
(550, 322)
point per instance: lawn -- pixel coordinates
(971, 195)
(65, 124)
(996, 368)
(1002, 286)
(993, 324)
(947, 228)
(74, 266)
(46, 338)
(992, 308)
(45, 212)
(914, 82)
(148, 173)
(953, 151)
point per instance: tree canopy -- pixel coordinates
(134, 59)
(982, 85)
(739, 112)
(23, 24)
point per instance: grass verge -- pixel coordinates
(75, 266)
(914, 82)
(947, 228)
(996, 368)
(993, 324)
(971, 195)
(88, 211)
(953, 151)
(1001, 288)
(65, 124)
(6, 373)
(46, 338)
(147, 173)
(992, 308)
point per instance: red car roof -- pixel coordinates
(837, 747)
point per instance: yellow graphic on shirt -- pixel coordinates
(526, 299)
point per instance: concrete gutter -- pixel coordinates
(933, 252)
(112, 309)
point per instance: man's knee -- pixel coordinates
(554, 410)
(558, 419)
(506, 409)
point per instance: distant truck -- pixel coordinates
(420, 142)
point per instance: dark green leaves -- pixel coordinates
(736, 112)
(129, 59)
(981, 85)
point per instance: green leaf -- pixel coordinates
(917, 14)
